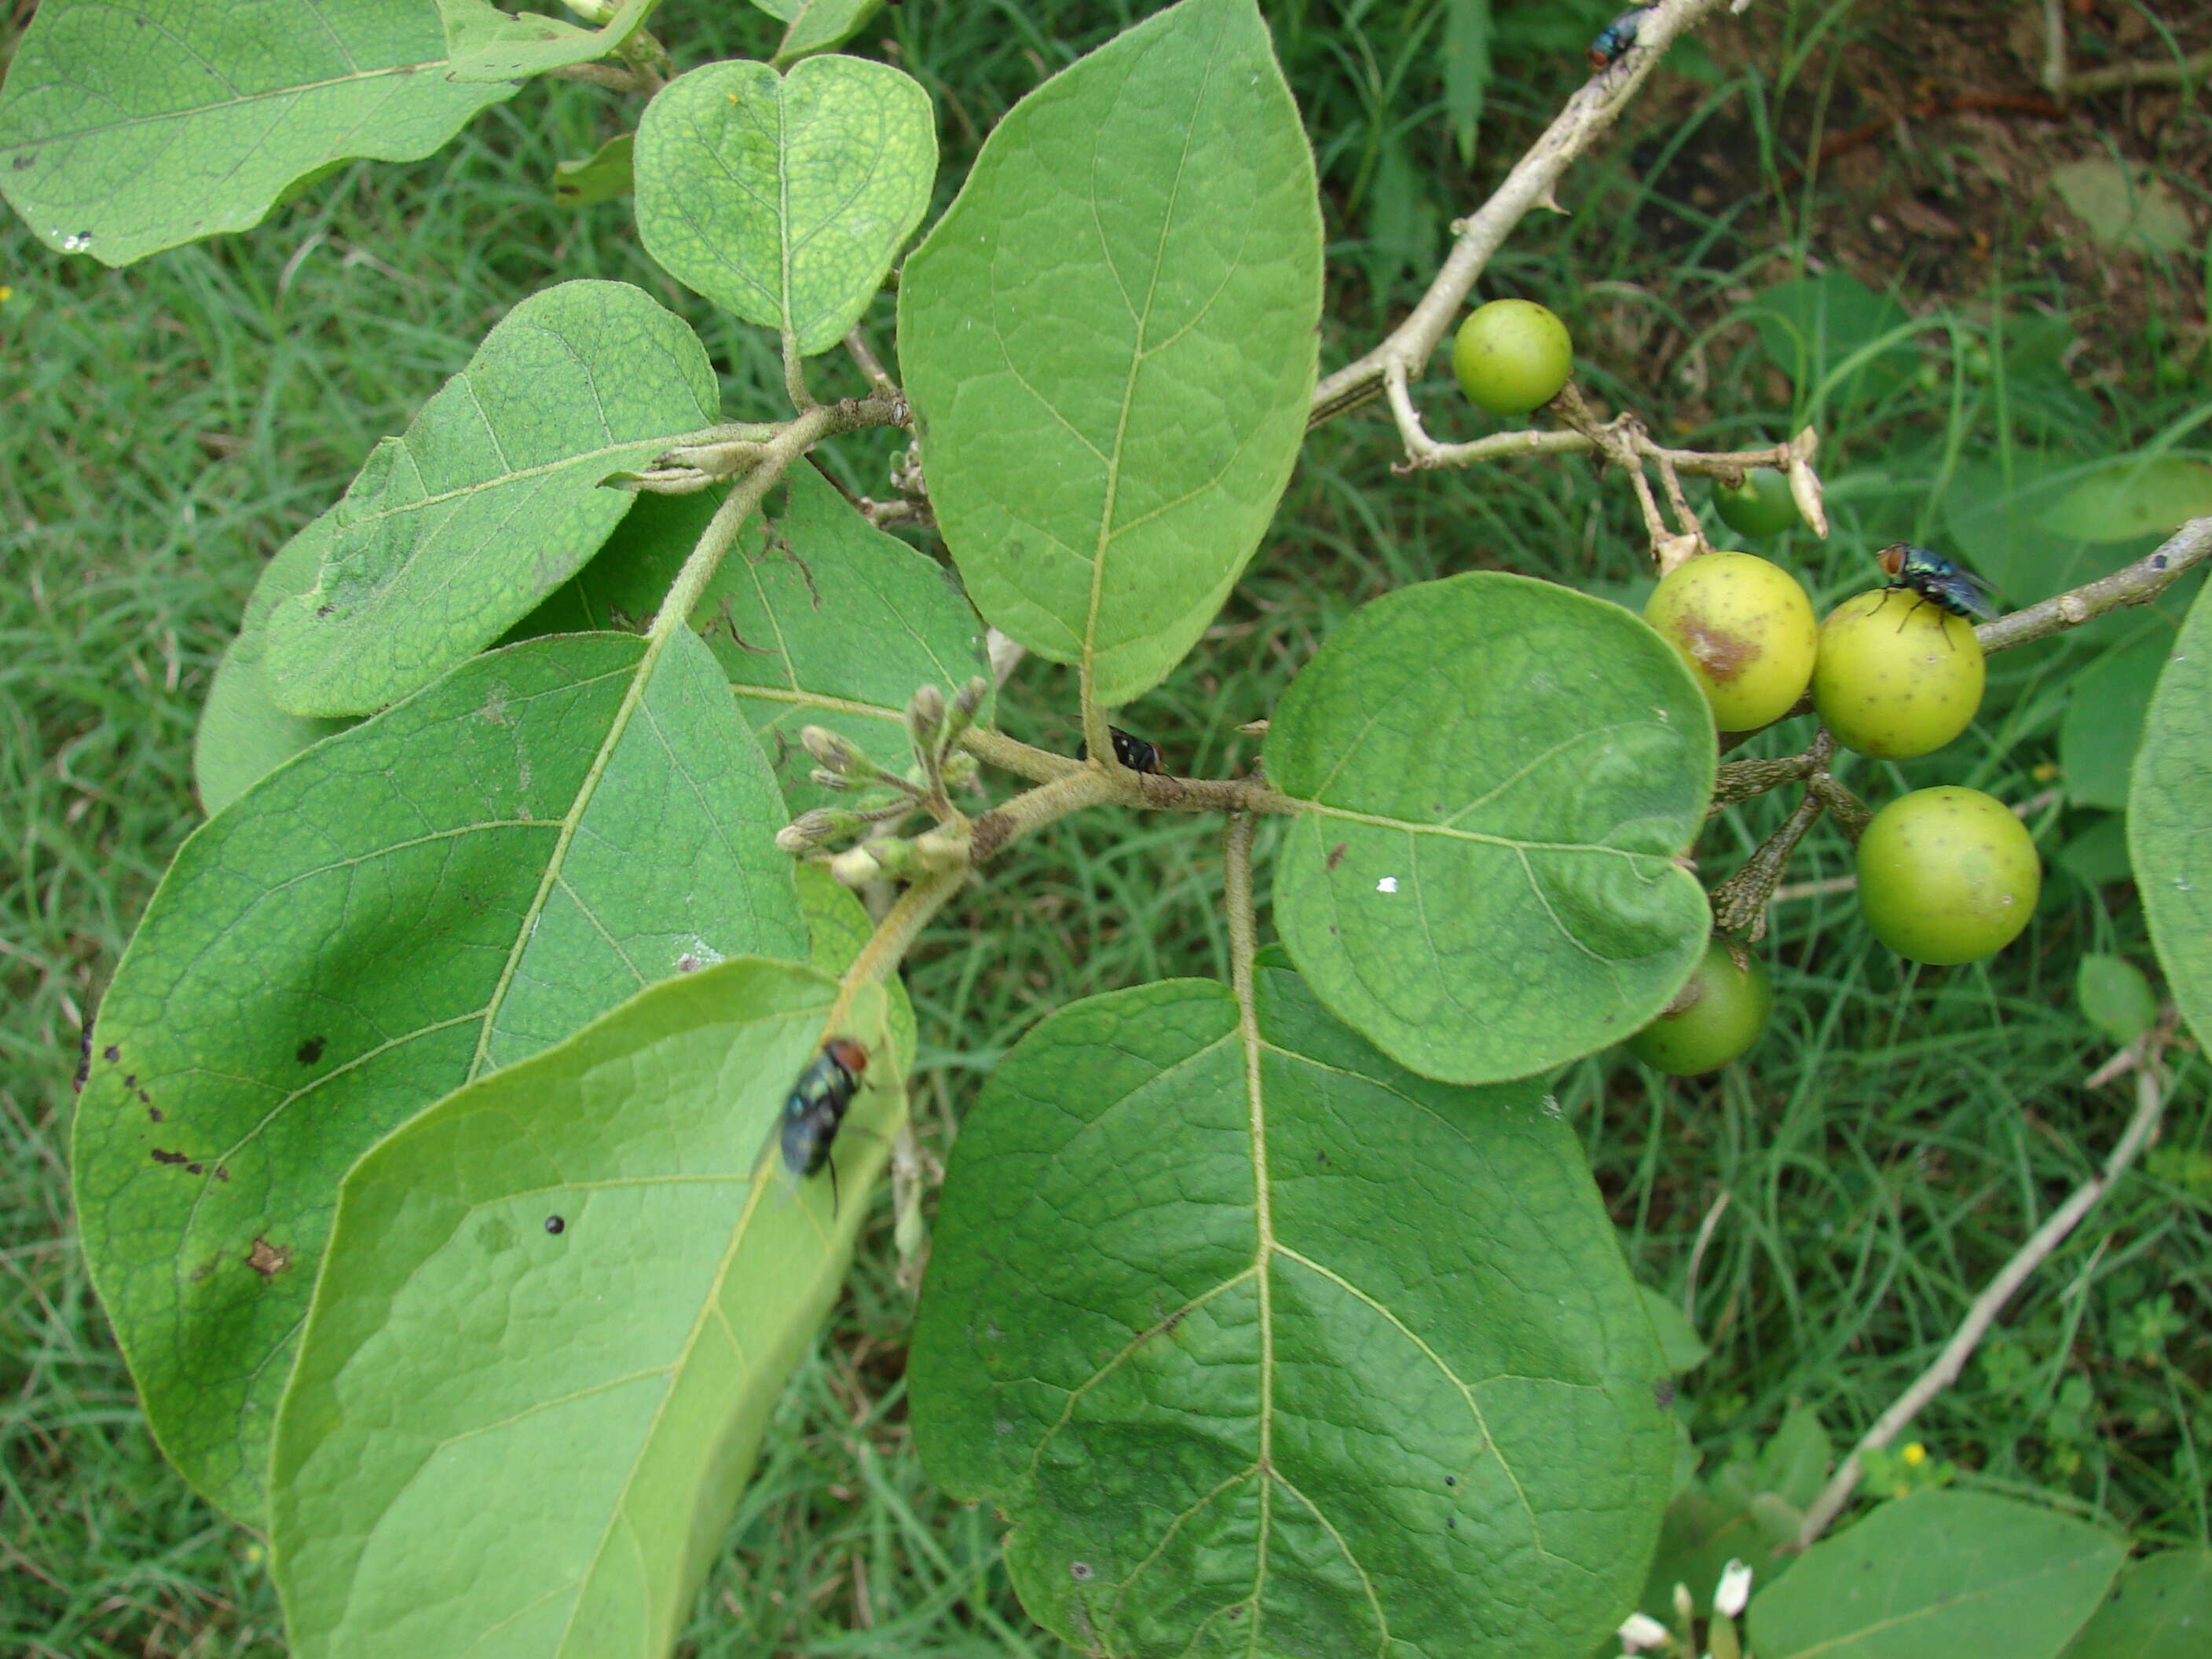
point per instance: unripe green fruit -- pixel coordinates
(1896, 678)
(1762, 506)
(1512, 355)
(1746, 629)
(1947, 875)
(1718, 1015)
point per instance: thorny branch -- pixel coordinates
(1533, 183)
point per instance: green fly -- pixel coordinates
(1931, 578)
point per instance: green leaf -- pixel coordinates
(243, 735)
(1499, 775)
(1466, 70)
(1937, 1575)
(818, 25)
(505, 1440)
(2103, 723)
(2124, 206)
(601, 176)
(1262, 1341)
(1679, 1342)
(2115, 996)
(2161, 1608)
(835, 623)
(1794, 1465)
(2170, 820)
(128, 128)
(784, 198)
(446, 888)
(1110, 339)
(1709, 1525)
(2132, 497)
(818, 619)
(487, 43)
(492, 498)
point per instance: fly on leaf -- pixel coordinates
(817, 1106)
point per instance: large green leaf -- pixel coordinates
(2161, 1608)
(129, 127)
(1939, 1575)
(2170, 819)
(785, 198)
(817, 617)
(492, 498)
(1110, 339)
(243, 735)
(446, 888)
(1265, 1344)
(1499, 774)
(487, 43)
(511, 1438)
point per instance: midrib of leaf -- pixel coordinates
(1137, 359)
(499, 480)
(1263, 1217)
(526, 929)
(805, 699)
(1323, 809)
(197, 110)
(783, 248)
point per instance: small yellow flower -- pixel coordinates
(1916, 1455)
(6, 294)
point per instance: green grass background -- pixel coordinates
(1826, 1209)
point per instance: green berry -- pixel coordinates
(1947, 875)
(1896, 678)
(1713, 1018)
(1746, 629)
(1512, 355)
(1761, 506)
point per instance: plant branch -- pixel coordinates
(894, 937)
(699, 567)
(1236, 903)
(2150, 1102)
(864, 355)
(1623, 443)
(635, 83)
(1533, 183)
(2136, 584)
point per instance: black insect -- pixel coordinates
(554, 1224)
(1137, 754)
(1931, 578)
(817, 1105)
(1614, 40)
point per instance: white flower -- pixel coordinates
(1734, 1590)
(1641, 1632)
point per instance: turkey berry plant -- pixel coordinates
(433, 1143)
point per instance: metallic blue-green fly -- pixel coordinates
(1614, 40)
(1931, 578)
(815, 1106)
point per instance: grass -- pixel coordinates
(1826, 1210)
